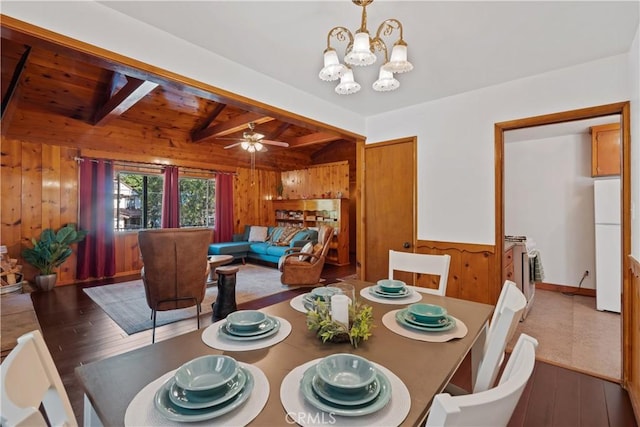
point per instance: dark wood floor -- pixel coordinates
(77, 331)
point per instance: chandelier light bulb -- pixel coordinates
(251, 148)
(386, 82)
(360, 54)
(333, 69)
(398, 62)
(245, 145)
(347, 84)
(258, 146)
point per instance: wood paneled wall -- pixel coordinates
(632, 335)
(313, 182)
(471, 272)
(39, 190)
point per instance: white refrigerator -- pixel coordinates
(606, 198)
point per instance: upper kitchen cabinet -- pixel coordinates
(605, 150)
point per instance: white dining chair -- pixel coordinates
(437, 265)
(504, 322)
(30, 379)
(493, 407)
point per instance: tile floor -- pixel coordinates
(572, 333)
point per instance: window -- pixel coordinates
(197, 202)
(138, 201)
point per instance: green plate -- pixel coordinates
(201, 399)
(346, 399)
(263, 328)
(173, 412)
(401, 317)
(379, 402)
(222, 331)
(373, 290)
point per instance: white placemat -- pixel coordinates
(415, 296)
(212, 338)
(389, 320)
(300, 411)
(142, 412)
(298, 304)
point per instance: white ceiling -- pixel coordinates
(455, 46)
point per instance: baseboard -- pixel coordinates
(566, 289)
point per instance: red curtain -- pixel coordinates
(171, 198)
(224, 208)
(96, 253)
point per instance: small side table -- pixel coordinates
(214, 262)
(225, 302)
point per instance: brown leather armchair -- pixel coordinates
(175, 268)
(306, 272)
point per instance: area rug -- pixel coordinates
(125, 302)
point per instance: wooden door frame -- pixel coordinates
(623, 110)
(361, 228)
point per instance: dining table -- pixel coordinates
(425, 368)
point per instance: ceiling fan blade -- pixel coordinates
(278, 143)
(233, 145)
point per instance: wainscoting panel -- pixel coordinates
(471, 272)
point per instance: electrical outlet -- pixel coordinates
(586, 273)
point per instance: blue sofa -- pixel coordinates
(269, 250)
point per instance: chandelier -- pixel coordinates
(360, 51)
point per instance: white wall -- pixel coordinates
(456, 140)
(104, 27)
(548, 192)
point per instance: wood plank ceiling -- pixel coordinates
(59, 96)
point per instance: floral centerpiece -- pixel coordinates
(361, 324)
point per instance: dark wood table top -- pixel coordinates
(424, 367)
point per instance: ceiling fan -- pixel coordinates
(253, 141)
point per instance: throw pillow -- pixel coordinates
(275, 234)
(257, 234)
(307, 250)
(287, 234)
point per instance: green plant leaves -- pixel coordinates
(53, 248)
(360, 318)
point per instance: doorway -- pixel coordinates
(623, 110)
(549, 197)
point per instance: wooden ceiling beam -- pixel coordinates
(236, 124)
(210, 118)
(279, 131)
(9, 107)
(313, 138)
(132, 92)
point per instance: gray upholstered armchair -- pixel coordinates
(175, 268)
(303, 268)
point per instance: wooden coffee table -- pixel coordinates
(216, 261)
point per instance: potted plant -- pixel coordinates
(279, 190)
(50, 252)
